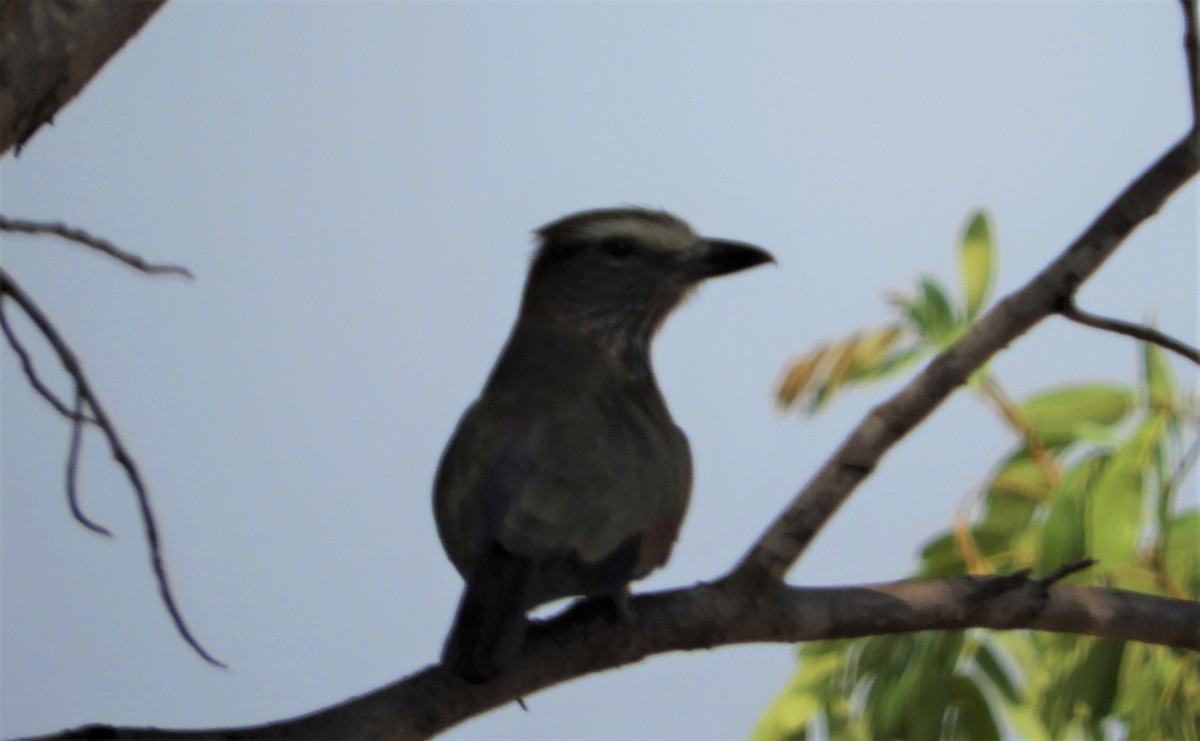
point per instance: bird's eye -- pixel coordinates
(618, 248)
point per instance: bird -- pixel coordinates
(568, 477)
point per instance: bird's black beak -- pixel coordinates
(724, 256)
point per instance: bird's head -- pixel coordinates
(615, 274)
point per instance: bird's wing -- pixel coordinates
(562, 457)
(599, 471)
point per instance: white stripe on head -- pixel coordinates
(649, 228)
(655, 230)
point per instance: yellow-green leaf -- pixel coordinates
(976, 264)
(1059, 415)
(1182, 557)
(872, 348)
(798, 378)
(933, 311)
(1115, 505)
(1062, 536)
(1156, 375)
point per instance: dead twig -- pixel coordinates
(85, 396)
(79, 236)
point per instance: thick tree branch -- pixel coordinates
(50, 51)
(710, 615)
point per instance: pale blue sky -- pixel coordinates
(354, 186)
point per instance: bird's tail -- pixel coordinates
(490, 624)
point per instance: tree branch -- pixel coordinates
(786, 539)
(1191, 49)
(9, 289)
(50, 51)
(31, 373)
(723, 613)
(788, 536)
(1070, 311)
(79, 236)
(751, 604)
(77, 423)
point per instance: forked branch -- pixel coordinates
(87, 409)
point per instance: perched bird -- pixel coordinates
(568, 476)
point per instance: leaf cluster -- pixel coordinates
(928, 321)
(1095, 470)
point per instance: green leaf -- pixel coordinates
(991, 667)
(990, 541)
(1182, 556)
(803, 700)
(974, 719)
(1017, 491)
(1084, 680)
(1026, 724)
(937, 314)
(976, 264)
(1021, 474)
(1060, 415)
(1062, 535)
(1156, 376)
(1115, 507)
(896, 361)
(941, 557)
(1114, 514)
(1095, 679)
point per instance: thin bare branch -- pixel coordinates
(1070, 311)
(71, 364)
(75, 414)
(31, 373)
(73, 469)
(79, 236)
(1191, 47)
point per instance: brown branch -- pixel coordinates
(70, 363)
(79, 236)
(75, 414)
(1191, 49)
(786, 539)
(31, 373)
(50, 51)
(77, 423)
(1062, 572)
(752, 604)
(1070, 311)
(722, 613)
